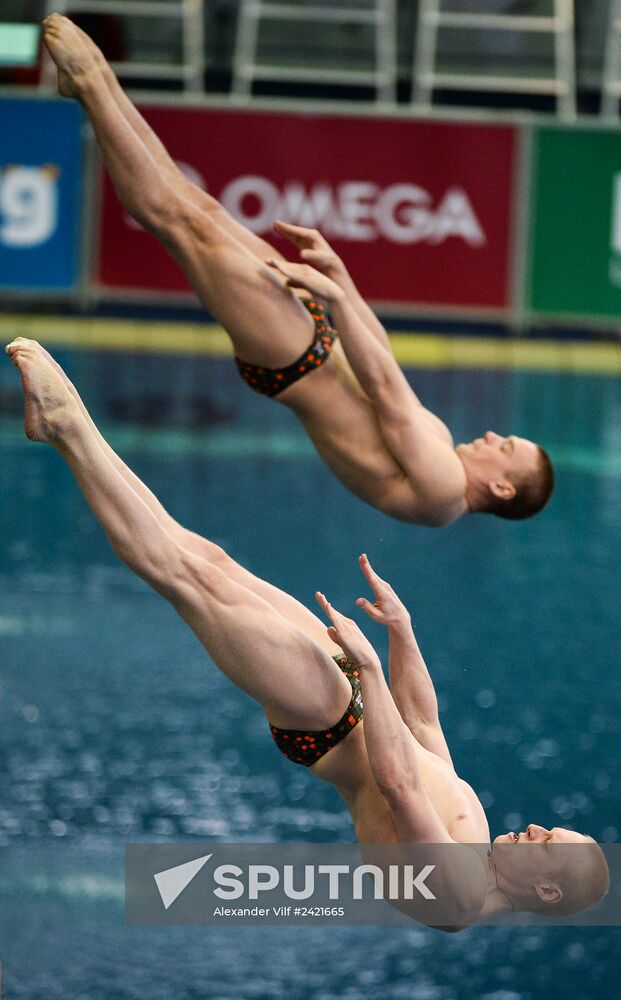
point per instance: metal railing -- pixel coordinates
(190, 71)
(426, 77)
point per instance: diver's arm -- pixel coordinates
(393, 761)
(390, 746)
(371, 361)
(433, 484)
(433, 476)
(315, 249)
(410, 683)
(414, 692)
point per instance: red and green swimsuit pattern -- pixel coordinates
(306, 746)
(272, 381)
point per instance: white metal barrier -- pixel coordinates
(248, 66)
(432, 18)
(191, 69)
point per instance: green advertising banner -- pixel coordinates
(574, 263)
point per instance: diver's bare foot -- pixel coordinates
(75, 61)
(61, 371)
(50, 410)
(95, 51)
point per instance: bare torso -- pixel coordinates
(347, 768)
(344, 428)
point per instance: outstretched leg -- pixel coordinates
(201, 199)
(267, 324)
(177, 179)
(291, 676)
(285, 604)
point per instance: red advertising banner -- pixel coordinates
(420, 211)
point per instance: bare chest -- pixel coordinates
(347, 767)
(454, 800)
(342, 424)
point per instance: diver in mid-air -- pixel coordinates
(365, 420)
(388, 757)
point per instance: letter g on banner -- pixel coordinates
(28, 205)
(40, 193)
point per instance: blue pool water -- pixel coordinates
(114, 726)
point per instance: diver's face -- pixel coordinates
(540, 835)
(509, 849)
(498, 457)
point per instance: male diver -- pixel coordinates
(392, 767)
(364, 419)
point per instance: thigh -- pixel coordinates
(293, 610)
(296, 682)
(207, 203)
(266, 322)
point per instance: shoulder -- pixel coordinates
(466, 873)
(437, 427)
(432, 504)
(456, 876)
(462, 880)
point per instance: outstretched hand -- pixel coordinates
(314, 248)
(305, 276)
(388, 608)
(346, 634)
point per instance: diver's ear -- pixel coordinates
(549, 892)
(502, 489)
